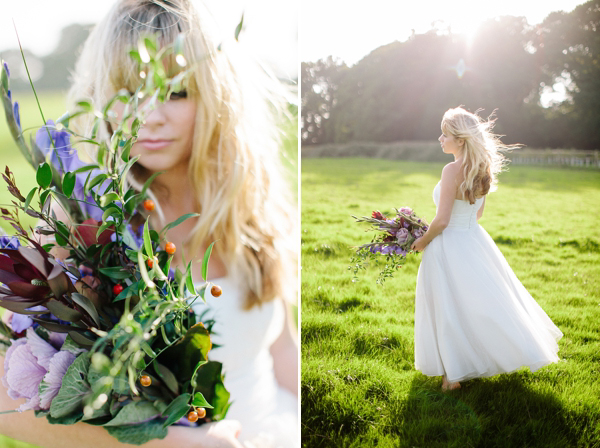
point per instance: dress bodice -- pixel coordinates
(464, 214)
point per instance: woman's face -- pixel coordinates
(451, 145)
(165, 140)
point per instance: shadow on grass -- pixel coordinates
(500, 412)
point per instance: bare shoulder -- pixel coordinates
(452, 170)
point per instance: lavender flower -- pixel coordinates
(7, 70)
(21, 322)
(9, 242)
(28, 362)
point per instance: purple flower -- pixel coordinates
(418, 233)
(21, 322)
(402, 236)
(7, 70)
(65, 159)
(16, 114)
(62, 150)
(9, 242)
(9, 95)
(406, 210)
(28, 362)
(401, 251)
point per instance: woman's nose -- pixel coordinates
(156, 116)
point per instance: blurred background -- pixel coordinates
(385, 78)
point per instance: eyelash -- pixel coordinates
(178, 95)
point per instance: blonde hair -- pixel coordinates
(482, 159)
(235, 167)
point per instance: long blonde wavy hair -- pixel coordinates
(482, 158)
(235, 166)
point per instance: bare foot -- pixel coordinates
(449, 386)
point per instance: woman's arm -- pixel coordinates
(480, 211)
(25, 426)
(448, 190)
(285, 354)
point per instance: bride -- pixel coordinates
(215, 144)
(473, 317)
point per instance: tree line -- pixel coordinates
(401, 90)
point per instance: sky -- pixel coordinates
(351, 30)
(270, 31)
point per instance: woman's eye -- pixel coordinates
(178, 95)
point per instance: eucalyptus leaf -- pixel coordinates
(87, 305)
(62, 311)
(29, 198)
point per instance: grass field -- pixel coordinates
(359, 386)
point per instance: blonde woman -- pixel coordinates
(216, 142)
(473, 318)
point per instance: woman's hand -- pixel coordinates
(419, 244)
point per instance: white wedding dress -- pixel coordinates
(268, 413)
(473, 317)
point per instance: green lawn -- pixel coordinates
(359, 386)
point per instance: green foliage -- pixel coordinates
(359, 387)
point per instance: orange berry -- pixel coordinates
(117, 289)
(145, 380)
(149, 263)
(216, 290)
(201, 412)
(192, 416)
(170, 248)
(149, 205)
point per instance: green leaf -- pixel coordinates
(147, 240)
(87, 305)
(135, 412)
(177, 409)
(108, 199)
(200, 402)
(116, 272)
(238, 28)
(4, 77)
(85, 105)
(68, 184)
(86, 168)
(138, 434)
(44, 175)
(149, 182)
(73, 390)
(62, 311)
(96, 180)
(189, 281)
(29, 198)
(184, 356)
(167, 377)
(178, 221)
(205, 260)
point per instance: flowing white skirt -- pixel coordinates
(473, 317)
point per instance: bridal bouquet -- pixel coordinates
(394, 239)
(106, 336)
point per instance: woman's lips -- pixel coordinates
(154, 144)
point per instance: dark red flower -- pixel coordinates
(88, 230)
(377, 215)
